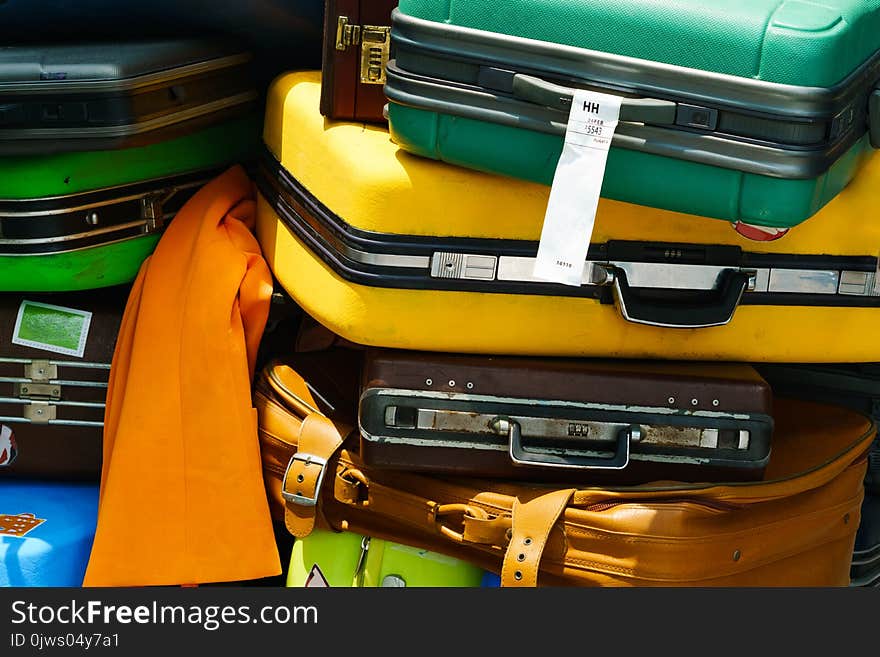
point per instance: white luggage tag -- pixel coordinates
(577, 183)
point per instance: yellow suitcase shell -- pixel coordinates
(327, 558)
(362, 177)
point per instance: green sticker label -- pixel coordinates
(52, 328)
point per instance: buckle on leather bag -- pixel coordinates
(308, 459)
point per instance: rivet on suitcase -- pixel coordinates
(758, 113)
(388, 249)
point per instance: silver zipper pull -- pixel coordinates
(362, 558)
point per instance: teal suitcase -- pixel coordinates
(756, 112)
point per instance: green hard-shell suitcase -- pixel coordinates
(756, 112)
(86, 220)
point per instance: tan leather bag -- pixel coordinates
(795, 528)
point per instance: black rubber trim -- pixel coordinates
(74, 222)
(679, 142)
(689, 312)
(371, 419)
(324, 232)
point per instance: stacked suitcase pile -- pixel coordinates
(691, 402)
(733, 232)
(101, 143)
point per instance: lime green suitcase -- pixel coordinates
(87, 220)
(756, 112)
(102, 142)
(327, 558)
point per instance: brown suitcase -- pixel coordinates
(356, 44)
(795, 527)
(573, 419)
(51, 404)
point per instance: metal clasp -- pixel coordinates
(346, 33)
(151, 212)
(375, 50)
(304, 500)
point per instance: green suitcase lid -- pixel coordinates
(794, 42)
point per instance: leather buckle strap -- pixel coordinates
(532, 523)
(318, 441)
(299, 498)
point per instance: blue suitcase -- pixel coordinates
(46, 532)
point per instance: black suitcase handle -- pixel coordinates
(638, 110)
(521, 456)
(682, 314)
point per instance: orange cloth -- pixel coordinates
(182, 498)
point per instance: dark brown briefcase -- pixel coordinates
(571, 419)
(356, 46)
(51, 399)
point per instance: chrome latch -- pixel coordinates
(151, 212)
(858, 283)
(375, 49)
(346, 33)
(463, 266)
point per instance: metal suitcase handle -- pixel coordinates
(682, 314)
(521, 456)
(547, 94)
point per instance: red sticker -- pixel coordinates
(8, 448)
(759, 233)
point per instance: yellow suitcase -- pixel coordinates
(327, 558)
(393, 250)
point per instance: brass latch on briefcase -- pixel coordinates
(375, 42)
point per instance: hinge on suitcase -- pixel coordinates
(40, 412)
(375, 42)
(40, 386)
(39, 391)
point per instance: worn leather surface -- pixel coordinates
(794, 528)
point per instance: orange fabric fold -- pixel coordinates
(182, 499)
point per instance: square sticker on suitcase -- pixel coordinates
(52, 328)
